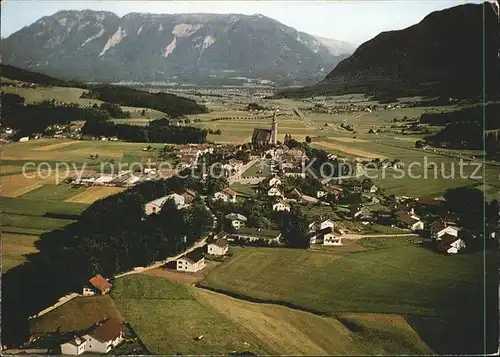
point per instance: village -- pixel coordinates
(337, 211)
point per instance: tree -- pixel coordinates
(143, 112)
(198, 220)
(295, 229)
(213, 184)
(308, 139)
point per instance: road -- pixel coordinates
(361, 236)
(163, 262)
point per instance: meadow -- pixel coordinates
(25, 219)
(77, 314)
(394, 276)
(230, 325)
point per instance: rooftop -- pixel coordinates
(99, 282)
(195, 255)
(108, 331)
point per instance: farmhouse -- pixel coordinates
(97, 285)
(258, 234)
(237, 220)
(105, 336)
(440, 228)
(189, 196)
(226, 195)
(193, 261)
(156, 205)
(219, 246)
(281, 206)
(363, 214)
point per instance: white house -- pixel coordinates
(321, 193)
(237, 220)
(281, 206)
(156, 205)
(193, 261)
(256, 234)
(440, 228)
(323, 232)
(226, 195)
(450, 244)
(105, 336)
(275, 180)
(274, 192)
(409, 221)
(219, 246)
(74, 347)
(24, 138)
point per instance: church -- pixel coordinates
(265, 137)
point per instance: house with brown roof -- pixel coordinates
(409, 221)
(450, 244)
(219, 246)
(193, 261)
(97, 285)
(440, 228)
(105, 336)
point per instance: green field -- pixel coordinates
(230, 325)
(168, 317)
(54, 192)
(398, 277)
(258, 170)
(25, 219)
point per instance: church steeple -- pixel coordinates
(274, 130)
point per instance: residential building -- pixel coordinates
(256, 234)
(275, 180)
(97, 285)
(281, 206)
(226, 195)
(74, 347)
(193, 261)
(156, 205)
(105, 336)
(409, 221)
(219, 246)
(237, 220)
(440, 228)
(274, 192)
(324, 232)
(450, 244)
(363, 214)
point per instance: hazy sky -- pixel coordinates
(351, 21)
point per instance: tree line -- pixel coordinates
(170, 104)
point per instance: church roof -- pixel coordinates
(261, 134)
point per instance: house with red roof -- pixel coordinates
(97, 286)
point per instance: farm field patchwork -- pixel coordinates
(94, 193)
(51, 192)
(14, 249)
(397, 277)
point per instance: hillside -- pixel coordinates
(23, 75)
(443, 55)
(100, 46)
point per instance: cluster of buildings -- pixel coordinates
(125, 178)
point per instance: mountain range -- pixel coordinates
(196, 48)
(446, 53)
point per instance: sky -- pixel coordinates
(350, 21)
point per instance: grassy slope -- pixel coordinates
(77, 314)
(229, 324)
(396, 277)
(167, 317)
(14, 249)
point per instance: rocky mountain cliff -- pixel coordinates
(100, 46)
(443, 54)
